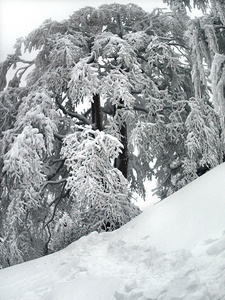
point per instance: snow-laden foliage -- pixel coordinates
(179, 5)
(100, 191)
(217, 77)
(113, 47)
(24, 148)
(218, 7)
(22, 179)
(84, 82)
(137, 40)
(179, 143)
(23, 157)
(206, 39)
(205, 43)
(197, 45)
(117, 89)
(202, 134)
(67, 50)
(37, 110)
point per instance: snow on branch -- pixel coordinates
(37, 110)
(117, 87)
(22, 163)
(84, 82)
(94, 183)
(202, 140)
(217, 77)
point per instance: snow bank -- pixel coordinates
(193, 214)
(174, 250)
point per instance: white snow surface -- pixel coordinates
(174, 250)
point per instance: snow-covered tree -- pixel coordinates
(111, 98)
(206, 40)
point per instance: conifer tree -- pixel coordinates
(112, 97)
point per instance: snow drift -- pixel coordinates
(174, 250)
(193, 214)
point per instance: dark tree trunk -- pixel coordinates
(96, 112)
(121, 162)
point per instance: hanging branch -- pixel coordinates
(56, 201)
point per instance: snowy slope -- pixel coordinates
(174, 250)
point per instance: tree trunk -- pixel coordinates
(121, 162)
(96, 112)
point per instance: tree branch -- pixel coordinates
(139, 108)
(63, 180)
(57, 201)
(91, 59)
(57, 160)
(87, 112)
(72, 114)
(59, 136)
(26, 61)
(61, 164)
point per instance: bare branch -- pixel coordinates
(72, 114)
(57, 201)
(87, 112)
(59, 136)
(63, 180)
(53, 161)
(140, 108)
(61, 161)
(91, 59)
(26, 61)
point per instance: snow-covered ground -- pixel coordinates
(174, 250)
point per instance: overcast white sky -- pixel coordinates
(19, 17)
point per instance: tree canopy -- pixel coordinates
(111, 97)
